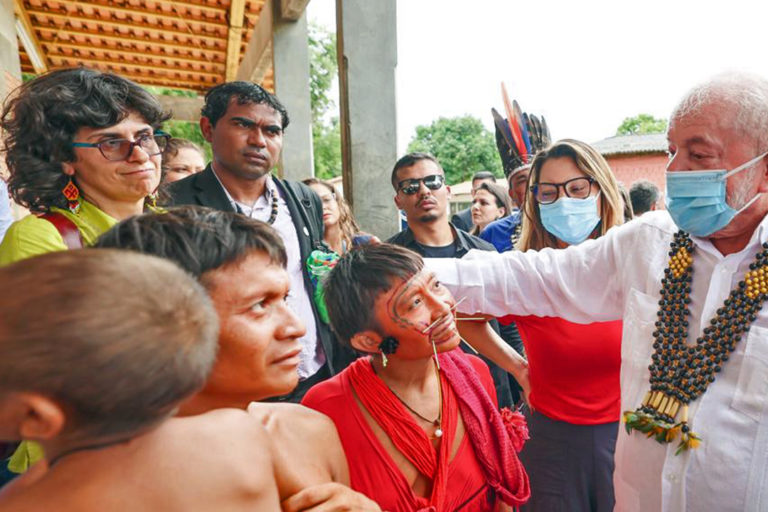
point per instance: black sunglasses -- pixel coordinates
(412, 185)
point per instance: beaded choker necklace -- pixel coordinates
(681, 373)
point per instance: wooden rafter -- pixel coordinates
(78, 50)
(28, 36)
(234, 37)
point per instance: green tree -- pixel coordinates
(190, 131)
(462, 145)
(642, 123)
(326, 134)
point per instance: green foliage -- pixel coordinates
(190, 131)
(462, 145)
(326, 134)
(642, 123)
(166, 91)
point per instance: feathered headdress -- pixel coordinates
(518, 137)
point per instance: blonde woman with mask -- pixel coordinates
(574, 368)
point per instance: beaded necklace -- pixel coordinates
(681, 373)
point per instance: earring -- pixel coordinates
(72, 193)
(153, 199)
(387, 346)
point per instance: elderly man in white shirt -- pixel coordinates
(701, 338)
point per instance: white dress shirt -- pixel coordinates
(312, 356)
(619, 276)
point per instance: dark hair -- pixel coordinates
(357, 280)
(42, 117)
(118, 339)
(409, 160)
(643, 194)
(484, 175)
(198, 239)
(217, 100)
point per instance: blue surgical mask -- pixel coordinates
(696, 199)
(570, 220)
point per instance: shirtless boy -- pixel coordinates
(97, 350)
(241, 263)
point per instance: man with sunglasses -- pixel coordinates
(244, 124)
(421, 192)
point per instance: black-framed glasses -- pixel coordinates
(121, 149)
(577, 188)
(412, 185)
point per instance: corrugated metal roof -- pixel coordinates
(632, 144)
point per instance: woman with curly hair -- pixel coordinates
(83, 150)
(340, 226)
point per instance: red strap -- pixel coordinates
(66, 228)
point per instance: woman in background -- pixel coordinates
(182, 158)
(490, 202)
(340, 227)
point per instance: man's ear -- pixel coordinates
(366, 341)
(448, 189)
(397, 201)
(207, 128)
(30, 416)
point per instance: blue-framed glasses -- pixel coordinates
(121, 149)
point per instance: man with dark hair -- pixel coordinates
(463, 218)
(420, 191)
(241, 262)
(97, 350)
(644, 196)
(244, 124)
(504, 233)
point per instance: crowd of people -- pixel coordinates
(184, 332)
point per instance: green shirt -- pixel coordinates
(32, 235)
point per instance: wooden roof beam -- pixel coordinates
(257, 59)
(234, 37)
(26, 34)
(61, 60)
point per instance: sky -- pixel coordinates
(585, 65)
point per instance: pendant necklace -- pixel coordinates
(437, 422)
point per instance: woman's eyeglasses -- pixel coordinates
(411, 186)
(577, 188)
(121, 149)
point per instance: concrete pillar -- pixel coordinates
(9, 50)
(366, 32)
(291, 68)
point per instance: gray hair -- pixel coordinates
(743, 93)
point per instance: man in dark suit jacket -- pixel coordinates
(244, 124)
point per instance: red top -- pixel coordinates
(574, 368)
(371, 469)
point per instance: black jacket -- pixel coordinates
(463, 219)
(204, 189)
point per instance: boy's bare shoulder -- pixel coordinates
(275, 416)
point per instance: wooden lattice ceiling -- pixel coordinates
(180, 44)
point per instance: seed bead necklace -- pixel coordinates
(679, 373)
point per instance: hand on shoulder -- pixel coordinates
(329, 497)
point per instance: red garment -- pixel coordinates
(573, 368)
(372, 470)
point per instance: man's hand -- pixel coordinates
(330, 497)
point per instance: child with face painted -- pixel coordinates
(574, 368)
(417, 418)
(97, 350)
